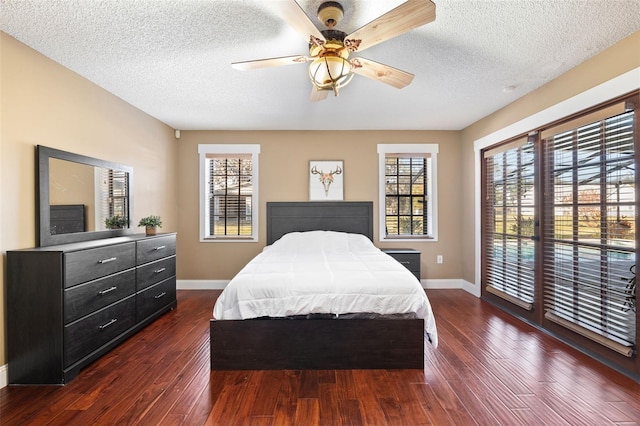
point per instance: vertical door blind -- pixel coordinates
(510, 222)
(589, 229)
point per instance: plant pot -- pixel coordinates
(151, 230)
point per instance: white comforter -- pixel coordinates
(324, 272)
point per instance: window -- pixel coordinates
(408, 199)
(112, 192)
(228, 192)
(111, 197)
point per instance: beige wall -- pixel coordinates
(618, 59)
(284, 161)
(43, 103)
(73, 183)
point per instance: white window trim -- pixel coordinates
(383, 150)
(203, 151)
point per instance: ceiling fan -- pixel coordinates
(329, 49)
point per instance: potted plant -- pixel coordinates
(116, 222)
(151, 224)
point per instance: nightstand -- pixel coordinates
(410, 258)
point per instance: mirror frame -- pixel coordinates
(43, 212)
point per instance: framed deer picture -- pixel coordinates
(326, 180)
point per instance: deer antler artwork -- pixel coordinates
(326, 178)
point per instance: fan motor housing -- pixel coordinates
(330, 13)
(333, 46)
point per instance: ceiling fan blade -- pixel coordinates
(404, 18)
(271, 62)
(318, 95)
(291, 12)
(381, 72)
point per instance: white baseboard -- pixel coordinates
(4, 371)
(441, 284)
(201, 284)
(471, 288)
(451, 284)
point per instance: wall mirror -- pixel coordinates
(81, 198)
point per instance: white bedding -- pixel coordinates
(324, 272)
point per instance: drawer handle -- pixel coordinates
(164, 293)
(157, 271)
(160, 247)
(103, 326)
(109, 290)
(111, 259)
(405, 262)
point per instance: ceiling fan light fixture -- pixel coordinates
(329, 49)
(330, 73)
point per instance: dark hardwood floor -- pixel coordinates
(489, 370)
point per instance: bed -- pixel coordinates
(356, 308)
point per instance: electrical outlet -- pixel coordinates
(439, 258)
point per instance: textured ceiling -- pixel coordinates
(171, 58)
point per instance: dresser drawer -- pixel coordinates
(88, 334)
(154, 272)
(156, 297)
(87, 265)
(152, 249)
(85, 298)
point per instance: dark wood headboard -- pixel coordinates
(342, 216)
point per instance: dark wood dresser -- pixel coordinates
(69, 304)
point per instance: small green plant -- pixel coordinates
(116, 222)
(151, 221)
(151, 224)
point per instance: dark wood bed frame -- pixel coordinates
(317, 344)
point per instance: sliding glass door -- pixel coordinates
(590, 225)
(510, 225)
(559, 230)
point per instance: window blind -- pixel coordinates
(406, 200)
(509, 223)
(231, 191)
(114, 190)
(589, 236)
